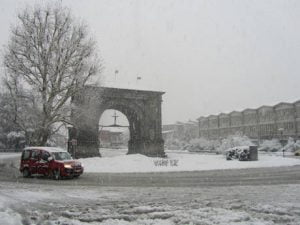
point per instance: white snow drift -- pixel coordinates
(178, 162)
(113, 162)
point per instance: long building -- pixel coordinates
(280, 121)
(181, 131)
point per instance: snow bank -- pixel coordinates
(178, 162)
(9, 155)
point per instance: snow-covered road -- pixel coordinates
(239, 205)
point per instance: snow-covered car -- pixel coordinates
(49, 161)
(297, 152)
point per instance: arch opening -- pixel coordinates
(114, 133)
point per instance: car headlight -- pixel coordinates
(68, 166)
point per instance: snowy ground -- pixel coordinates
(4, 155)
(115, 161)
(49, 202)
(248, 205)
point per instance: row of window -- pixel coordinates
(287, 125)
(251, 132)
(264, 116)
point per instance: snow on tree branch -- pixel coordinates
(51, 55)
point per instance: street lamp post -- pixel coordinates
(281, 140)
(72, 140)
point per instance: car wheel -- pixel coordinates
(56, 174)
(26, 173)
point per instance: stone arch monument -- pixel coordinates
(142, 109)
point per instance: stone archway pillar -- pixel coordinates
(147, 147)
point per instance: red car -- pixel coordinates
(49, 161)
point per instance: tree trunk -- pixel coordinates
(43, 137)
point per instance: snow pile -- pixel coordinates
(178, 162)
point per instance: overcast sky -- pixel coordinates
(209, 56)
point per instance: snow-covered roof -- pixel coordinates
(235, 112)
(167, 131)
(265, 107)
(284, 105)
(48, 149)
(131, 86)
(114, 129)
(191, 122)
(223, 115)
(249, 110)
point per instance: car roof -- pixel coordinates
(48, 149)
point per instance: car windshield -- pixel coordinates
(62, 156)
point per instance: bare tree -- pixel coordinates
(49, 57)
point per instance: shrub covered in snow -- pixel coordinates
(15, 135)
(233, 141)
(291, 145)
(15, 140)
(194, 145)
(202, 144)
(297, 145)
(274, 145)
(270, 145)
(176, 144)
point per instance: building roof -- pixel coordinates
(297, 102)
(264, 106)
(235, 112)
(202, 118)
(248, 109)
(168, 131)
(114, 129)
(283, 104)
